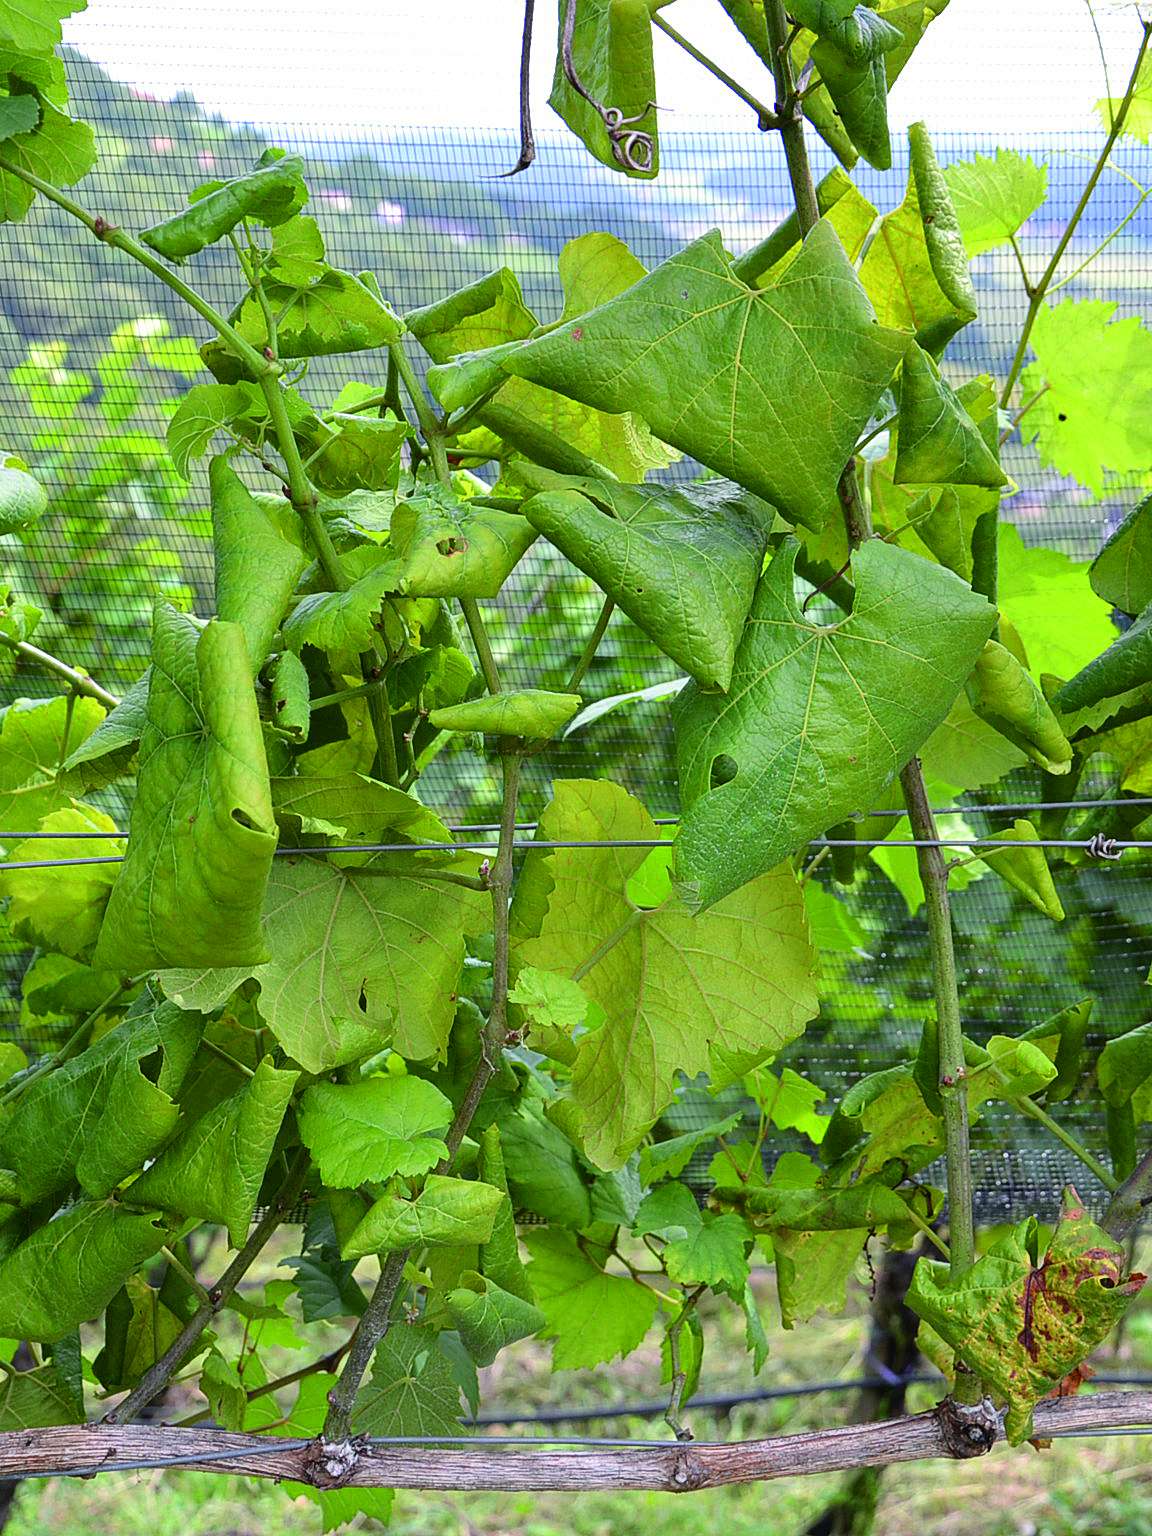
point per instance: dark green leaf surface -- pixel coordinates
(215, 1167)
(1122, 572)
(268, 195)
(818, 720)
(68, 1271)
(770, 387)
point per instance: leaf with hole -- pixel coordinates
(818, 720)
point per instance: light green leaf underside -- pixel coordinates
(718, 993)
(681, 563)
(201, 837)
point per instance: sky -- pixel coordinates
(1012, 67)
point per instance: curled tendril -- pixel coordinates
(632, 147)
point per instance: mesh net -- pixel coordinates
(425, 211)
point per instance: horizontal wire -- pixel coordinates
(672, 821)
(529, 845)
(655, 1407)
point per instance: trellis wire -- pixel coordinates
(527, 845)
(672, 821)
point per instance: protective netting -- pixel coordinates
(425, 212)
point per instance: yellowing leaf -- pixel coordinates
(677, 991)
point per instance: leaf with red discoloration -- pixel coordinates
(1025, 1324)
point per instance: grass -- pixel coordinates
(1087, 1487)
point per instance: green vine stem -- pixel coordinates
(377, 1317)
(425, 415)
(158, 1375)
(78, 682)
(930, 859)
(1095, 1167)
(120, 240)
(1131, 1202)
(303, 497)
(588, 654)
(1038, 291)
(765, 119)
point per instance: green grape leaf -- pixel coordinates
(411, 1390)
(447, 1211)
(500, 1259)
(1122, 572)
(372, 1130)
(850, 55)
(256, 567)
(215, 1167)
(355, 807)
(663, 977)
(106, 753)
(138, 1328)
(813, 1270)
(1093, 415)
(62, 908)
(1124, 1065)
(35, 1399)
(668, 1159)
(1023, 1323)
(915, 271)
(543, 1171)
(1065, 1031)
(202, 835)
(727, 373)
(68, 1271)
(99, 1117)
(362, 957)
(532, 712)
(202, 412)
(340, 313)
(612, 57)
(297, 256)
(1127, 663)
(59, 150)
(909, 20)
(820, 1208)
(570, 1288)
(702, 1247)
(818, 720)
(1002, 693)
(290, 696)
(23, 500)
(682, 564)
(271, 193)
(490, 312)
(1138, 123)
(938, 441)
(1044, 596)
(488, 1318)
(33, 737)
(995, 196)
(352, 452)
(450, 548)
(33, 26)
